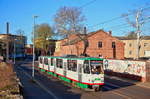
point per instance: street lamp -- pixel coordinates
(34, 17)
(15, 51)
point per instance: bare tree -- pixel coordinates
(131, 35)
(20, 32)
(83, 38)
(69, 20)
(139, 20)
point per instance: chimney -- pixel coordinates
(84, 30)
(110, 32)
(7, 27)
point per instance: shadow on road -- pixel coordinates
(113, 83)
(60, 88)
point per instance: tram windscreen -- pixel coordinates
(96, 67)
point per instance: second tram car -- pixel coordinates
(82, 72)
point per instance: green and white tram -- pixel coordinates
(82, 72)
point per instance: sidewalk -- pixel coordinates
(31, 90)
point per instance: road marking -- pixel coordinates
(52, 94)
(116, 92)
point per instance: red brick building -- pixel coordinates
(99, 43)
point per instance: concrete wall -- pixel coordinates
(126, 68)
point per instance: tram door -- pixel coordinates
(42, 62)
(65, 67)
(54, 63)
(80, 66)
(49, 63)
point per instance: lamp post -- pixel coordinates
(15, 51)
(34, 17)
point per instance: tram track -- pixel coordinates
(96, 95)
(111, 86)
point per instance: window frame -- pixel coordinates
(85, 69)
(46, 61)
(113, 44)
(72, 65)
(59, 63)
(41, 60)
(130, 52)
(130, 45)
(100, 44)
(52, 61)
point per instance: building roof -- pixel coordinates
(84, 36)
(76, 39)
(133, 38)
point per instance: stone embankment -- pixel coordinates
(9, 84)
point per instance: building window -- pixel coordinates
(145, 44)
(130, 44)
(130, 52)
(100, 44)
(113, 45)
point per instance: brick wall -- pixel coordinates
(93, 50)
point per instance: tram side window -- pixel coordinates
(86, 67)
(59, 63)
(41, 60)
(72, 65)
(46, 61)
(52, 62)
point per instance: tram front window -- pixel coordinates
(96, 67)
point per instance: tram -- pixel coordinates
(86, 73)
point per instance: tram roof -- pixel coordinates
(78, 58)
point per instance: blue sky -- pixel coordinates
(19, 13)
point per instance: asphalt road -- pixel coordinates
(46, 87)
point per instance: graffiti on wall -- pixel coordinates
(125, 66)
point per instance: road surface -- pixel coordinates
(46, 87)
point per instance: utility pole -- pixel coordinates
(7, 42)
(138, 34)
(34, 17)
(15, 51)
(138, 30)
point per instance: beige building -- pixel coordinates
(16, 42)
(130, 49)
